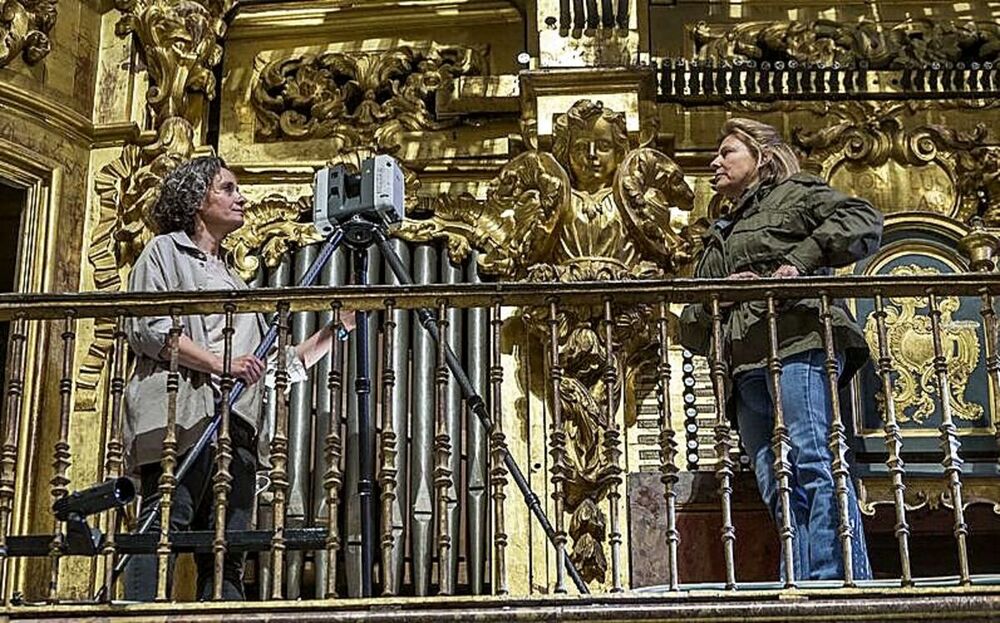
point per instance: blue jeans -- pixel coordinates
(805, 399)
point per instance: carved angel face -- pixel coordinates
(594, 156)
(735, 167)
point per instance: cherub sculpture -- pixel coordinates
(593, 209)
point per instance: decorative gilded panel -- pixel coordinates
(592, 209)
(915, 391)
(872, 152)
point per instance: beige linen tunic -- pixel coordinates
(172, 262)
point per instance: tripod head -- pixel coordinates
(359, 202)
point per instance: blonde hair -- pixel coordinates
(776, 160)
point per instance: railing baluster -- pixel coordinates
(114, 451)
(893, 443)
(279, 457)
(8, 454)
(992, 355)
(837, 443)
(62, 454)
(781, 446)
(668, 448)
(612, 449)
(723, 445)
(498, 473)
(557, 441)
(223, 454)
(950, 444)
(168, 463)
(388, 440)
(442, 446)
(333, 478)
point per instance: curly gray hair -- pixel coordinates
(183, 191)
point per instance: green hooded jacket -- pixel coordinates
(802, 222)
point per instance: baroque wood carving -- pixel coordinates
(359, 98)
(910, 43)
(591, 210)
(873, 153)
(24, 30)
(179, 44)
(912, 349)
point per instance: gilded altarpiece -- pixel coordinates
(563, 165)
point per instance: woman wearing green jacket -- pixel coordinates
(785, 223)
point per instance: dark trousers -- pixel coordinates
(193, 508)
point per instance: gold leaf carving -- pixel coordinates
(911, 43)
(271, 228)
(358, 98)
(24, 30)
(128, 188)
(591, 210)
(870, 152)
(912, 348)
(180, 44)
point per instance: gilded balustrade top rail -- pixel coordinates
(90, 305)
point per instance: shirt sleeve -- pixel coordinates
(293, 365)
(847, 230)
(147, 335)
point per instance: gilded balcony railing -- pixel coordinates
(437, 473)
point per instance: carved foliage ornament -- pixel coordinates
(911, 43)
(358, 97)
(270, 229)
(24, 29)
(180, 44)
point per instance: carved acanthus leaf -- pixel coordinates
(358, 98)
(655, 202)
(271, 228)
(911, 43)
(179, 41)
(513, 226)
(24, 30)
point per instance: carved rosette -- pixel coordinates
(910, 43)
(359, 98)
(24, 30)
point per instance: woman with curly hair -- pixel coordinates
(199, 205)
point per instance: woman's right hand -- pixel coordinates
(247, 368)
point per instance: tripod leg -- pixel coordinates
(478, 406)
(366, 462)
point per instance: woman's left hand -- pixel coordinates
(785, 271)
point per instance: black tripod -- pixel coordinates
(359, 233)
